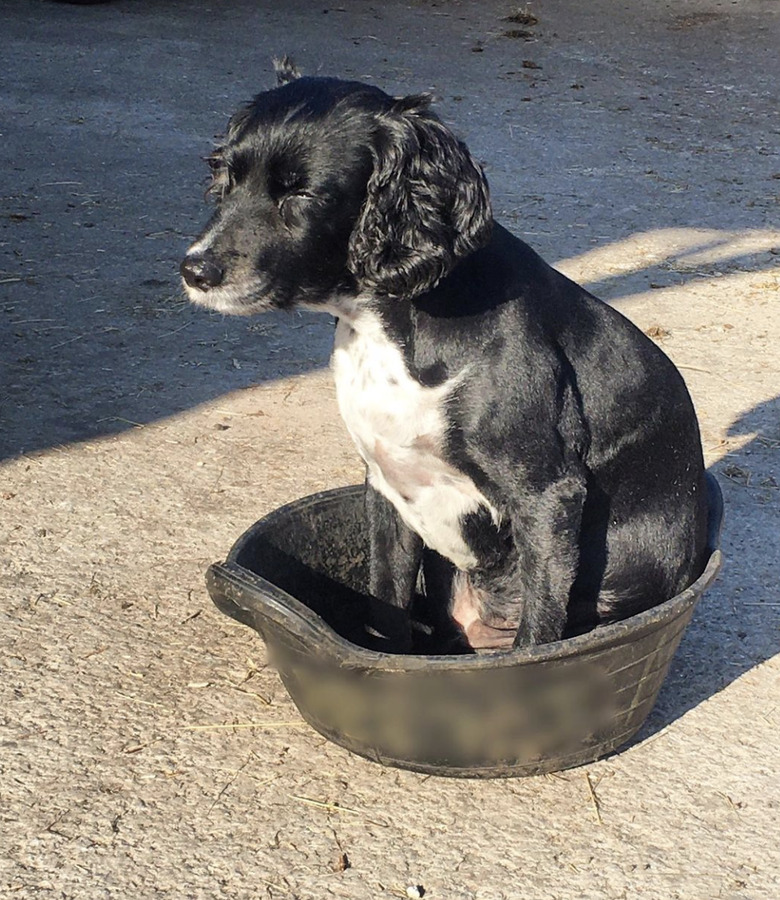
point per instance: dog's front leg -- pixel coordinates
(548, 544)
(396, 552)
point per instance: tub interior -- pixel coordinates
(318, 553)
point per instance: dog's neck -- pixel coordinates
(347, 307)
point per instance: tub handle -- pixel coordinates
(252, 600)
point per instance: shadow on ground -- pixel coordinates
(94, 352)
(104, 176)
(736, 626)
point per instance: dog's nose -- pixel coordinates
(201, 270)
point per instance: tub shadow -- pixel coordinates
(736, 625)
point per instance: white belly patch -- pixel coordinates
(398, 426)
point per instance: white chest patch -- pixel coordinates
(398, 426)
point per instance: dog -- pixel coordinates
(536, 446)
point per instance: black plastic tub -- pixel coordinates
(298, 577)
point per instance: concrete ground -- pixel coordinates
(146, 749)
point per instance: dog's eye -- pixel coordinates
(291, 205)
(218, 165)
(222, 179)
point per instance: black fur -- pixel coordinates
(570, 421)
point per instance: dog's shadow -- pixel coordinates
(736, 626)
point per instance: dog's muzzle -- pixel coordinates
(201, 271)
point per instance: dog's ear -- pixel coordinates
(286, 70)
(427, 204)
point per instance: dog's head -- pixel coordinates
(328, 187)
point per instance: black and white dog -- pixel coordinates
(509, 421)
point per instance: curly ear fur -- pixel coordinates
(427, 204)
